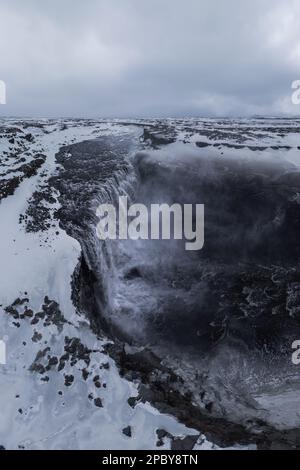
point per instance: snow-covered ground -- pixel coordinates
(84, 405)
(58, 388)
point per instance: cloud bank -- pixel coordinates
(127, 58)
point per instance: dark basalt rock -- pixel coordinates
(29, 138)
(69, 379)
(203, 144)
(98, 402)
(127, 431)
(8, 186)
(188, 443)
(159, 136)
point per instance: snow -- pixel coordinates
(33, 413)
(38, 414)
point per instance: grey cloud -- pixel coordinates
(155, 58)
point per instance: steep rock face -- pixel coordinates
(218, 324)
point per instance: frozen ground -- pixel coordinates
(59, 389)
(84, 405)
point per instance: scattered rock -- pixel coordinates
(188, 443)
(127, 431)
(69, 379)
(98, 402)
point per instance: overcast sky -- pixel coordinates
(149, 58)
